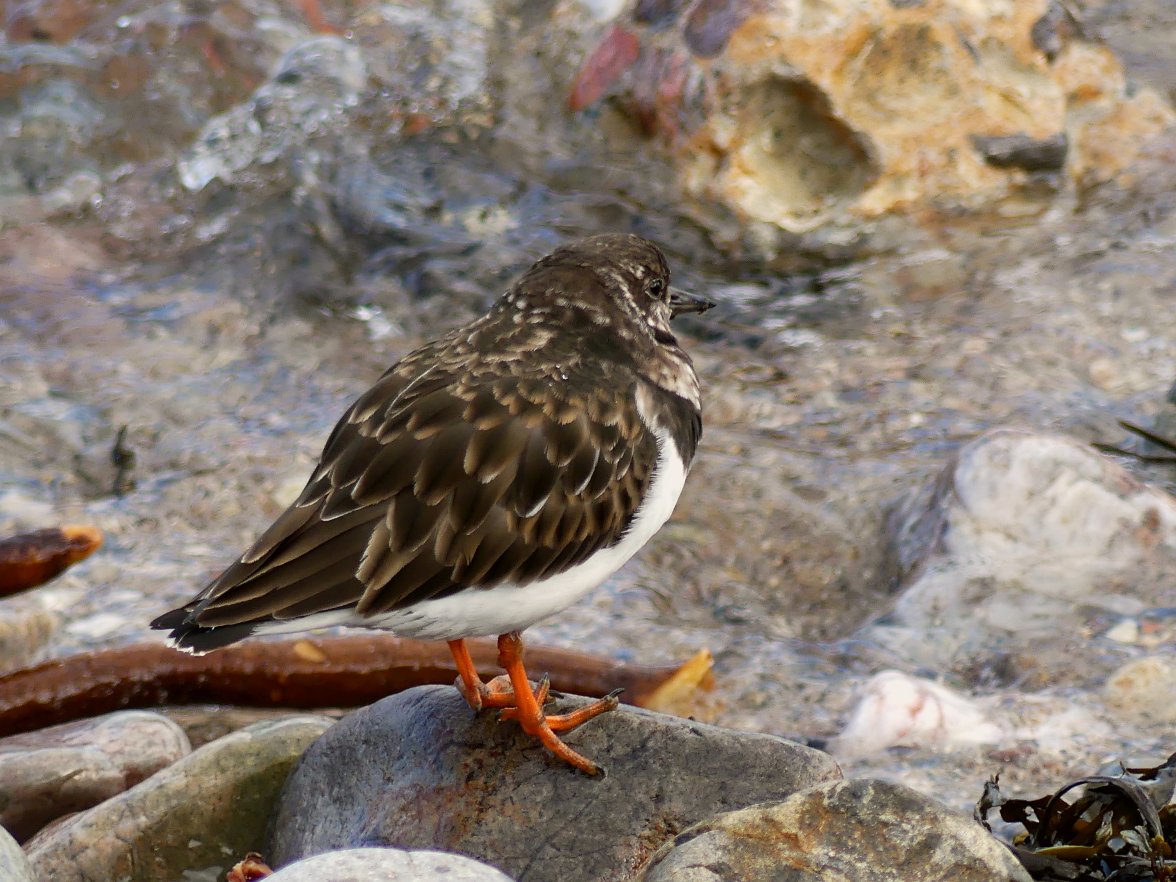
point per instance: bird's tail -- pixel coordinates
(189, 637)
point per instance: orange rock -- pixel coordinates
(802, 115)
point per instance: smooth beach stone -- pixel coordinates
(199, 815)
(421, 770)
(61, 769)
(843, 831)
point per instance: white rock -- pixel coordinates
(1124, 631)
(896, 709)
(381, 864)
(97, 626)
(20, 512)
(602, 10)
(1025, 537)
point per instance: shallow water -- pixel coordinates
(228, 328)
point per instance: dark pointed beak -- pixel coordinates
(681, 302)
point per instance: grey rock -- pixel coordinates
(420, 770)
(1021, 151)
(14, 866)
(62, 769)
(205, 811)
(1051, 32)
(382, 864)
(844, 831)
(1025, 543)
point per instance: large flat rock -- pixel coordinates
(421, 770)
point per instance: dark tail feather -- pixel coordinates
(189, 637)
(173, 619)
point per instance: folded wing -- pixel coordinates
(436, 482)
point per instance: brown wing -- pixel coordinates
(441, 481)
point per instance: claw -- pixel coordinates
(473, 696)
(523, 703)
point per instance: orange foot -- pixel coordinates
(520, 702)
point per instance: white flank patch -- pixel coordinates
(486, 612)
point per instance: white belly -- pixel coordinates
(490, 611)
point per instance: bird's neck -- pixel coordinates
(670, 368)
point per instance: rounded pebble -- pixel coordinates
(381, 864)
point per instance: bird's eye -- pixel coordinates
(656, 288)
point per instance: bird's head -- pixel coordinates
(618, 280)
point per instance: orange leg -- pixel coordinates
(528, 706)
(496, 693)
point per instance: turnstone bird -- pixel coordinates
(487, 480)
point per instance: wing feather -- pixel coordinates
(442, 466)
(392, 469)
(439, 482)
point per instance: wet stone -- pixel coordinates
(860, 830)
(711, 22)
(381, 864)
(420, 770)
(657, 12)
(310, 88)
(67, 768)
(197, 815)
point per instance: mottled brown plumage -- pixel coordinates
(505, 455)
(502, 452)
